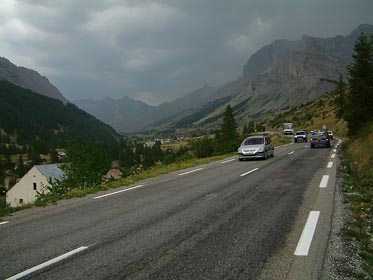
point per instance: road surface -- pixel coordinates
(225, 220)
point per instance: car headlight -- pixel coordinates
(260, 150)
(239, 150)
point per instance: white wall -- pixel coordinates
(23, 192)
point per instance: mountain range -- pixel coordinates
(279, 75)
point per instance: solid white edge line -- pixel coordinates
(3, 223)
(330, 164)
(198, 169)
(305, 240)
(228, 160)
(251, 171)
(332, 156)
(125, 190)
(324, 181)
(291, 153)
(47, 263)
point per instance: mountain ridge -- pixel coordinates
(29, 79)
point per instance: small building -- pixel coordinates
(34, 181)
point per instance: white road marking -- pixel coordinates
(324, 181)
(330, 164)
(332, 156)
(251, 171)
(335, 150)
(228, 160)
(198, 169)
(291, 153)
(47, 263)
(3, 223)
(125, 190)
(306, 146)
(305, 240)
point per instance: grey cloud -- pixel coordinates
(158, 50)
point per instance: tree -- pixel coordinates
(21, 170)
(359, 106)
(203, 148)
(54, 156)
(85, 163)
(228, 135)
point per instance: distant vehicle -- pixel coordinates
(256, 147)
(300, 135)
(331, 135)
(288, 129)
(320, 138)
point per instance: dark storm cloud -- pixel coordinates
(158, 50)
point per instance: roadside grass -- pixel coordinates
(155, 171)
(358, 192)
(279, 140)
(313, 115)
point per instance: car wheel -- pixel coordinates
(265, 155)
(295, 140)
(240, 159)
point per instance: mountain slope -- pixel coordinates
(29, 79)
(282, 74)
(28, 118)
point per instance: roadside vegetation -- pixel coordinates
(357, 155)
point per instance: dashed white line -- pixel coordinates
(47, 263)
(291, 153)
(332, 156)
(330, 164)
(305, 240)
(125, 190)
(306, 146)
(324, 181)
(195, 170)
(228, 160)
(3, 223)
(335, 150)
(251, 171)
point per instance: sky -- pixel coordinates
(157, 51)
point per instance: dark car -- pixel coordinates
(256, 147)
(300, 135)
(320, 139)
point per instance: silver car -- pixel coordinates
(256, 147)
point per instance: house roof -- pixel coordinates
(51, 171)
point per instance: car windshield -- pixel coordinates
(254, 141)
(300, 133)
(319, 134)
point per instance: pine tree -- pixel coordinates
(359, 105)
(228, 136)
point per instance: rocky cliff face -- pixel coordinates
(286, 73)
(29, 79)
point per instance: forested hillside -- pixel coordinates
(30, 119)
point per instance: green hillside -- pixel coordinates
(29, 119)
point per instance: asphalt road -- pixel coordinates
(226, 220)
